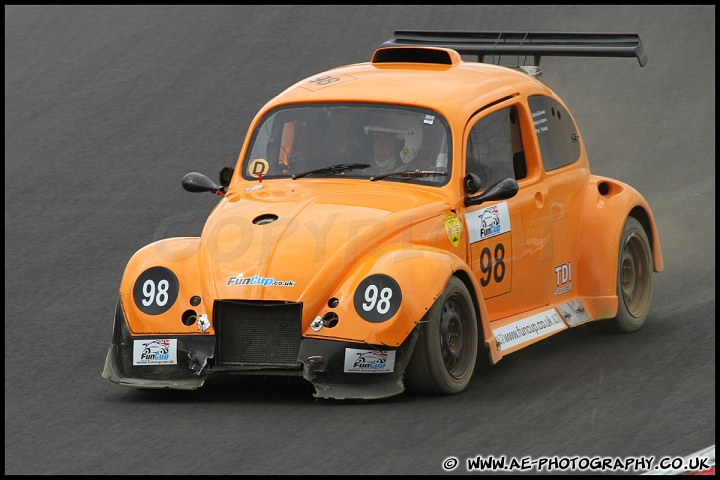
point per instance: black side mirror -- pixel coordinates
(225, 175)
(197, 182)
(501, 190)
(472, 183)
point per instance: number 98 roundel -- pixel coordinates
(377, 298)
(155, 290)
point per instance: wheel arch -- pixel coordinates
(648, 223)
(485, 337)
(421, 274)
(607, 205)
(176, 255)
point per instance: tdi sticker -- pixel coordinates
(452, 228)
(563, 278)
(377, 298)
(156, 290)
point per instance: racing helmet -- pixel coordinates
(406, 127)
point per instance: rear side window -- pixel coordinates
(556, 132)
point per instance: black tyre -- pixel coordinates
(634, 280)
(444, 358)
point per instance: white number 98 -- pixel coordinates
(149, 293)
(371, 295)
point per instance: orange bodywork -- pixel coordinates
(550, 262)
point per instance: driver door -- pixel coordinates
(510, 240)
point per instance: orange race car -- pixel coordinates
(387, 222)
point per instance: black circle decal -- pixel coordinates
(377, 298)
(156, 290)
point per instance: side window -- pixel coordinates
(494, 148)
(556, 132)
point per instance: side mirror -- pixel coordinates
(501, 190)
(472, 183)
(225, 175)
(197, 182)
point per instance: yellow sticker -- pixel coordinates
(452, 228)
(259, 166)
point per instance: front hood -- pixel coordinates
(286, 240)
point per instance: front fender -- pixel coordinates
(607, 204)
(157, 286)
(386, 294)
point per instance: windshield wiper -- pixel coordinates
(342, 167)
(408, 173)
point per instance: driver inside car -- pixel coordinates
(396, 142)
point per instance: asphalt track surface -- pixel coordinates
(106, 108)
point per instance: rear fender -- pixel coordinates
(608, 203)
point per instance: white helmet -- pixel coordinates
(406, 128)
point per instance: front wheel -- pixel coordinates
(634, 279)
(444, 357)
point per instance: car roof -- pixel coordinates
(425, 68)
(456, 87)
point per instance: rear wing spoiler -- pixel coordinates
(534, 44)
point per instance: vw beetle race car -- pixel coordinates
(387, 222)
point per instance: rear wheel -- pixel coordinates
(444, 357)
(634, 280)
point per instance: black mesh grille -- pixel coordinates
(257, 334)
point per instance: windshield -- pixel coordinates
(350, 140)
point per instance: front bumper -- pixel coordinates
(337, 370)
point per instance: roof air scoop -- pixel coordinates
(438, 56)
